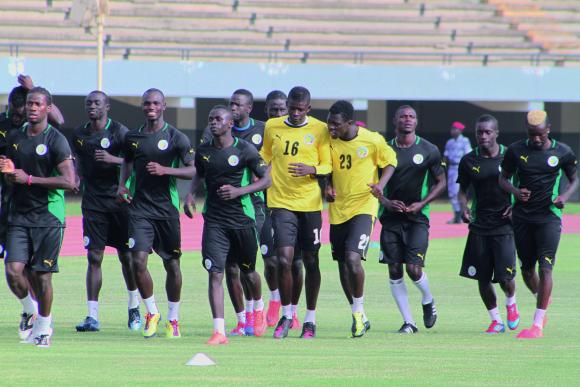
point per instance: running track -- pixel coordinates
(191, 231)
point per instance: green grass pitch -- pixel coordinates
(454, 352)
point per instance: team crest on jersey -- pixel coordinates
(41, 149)
(309, 139)
(162, 144)
(207, 264)
(233, 160)
(257, 139)
(471, 270)
(553, 161)
(418, 158)
(105, 143)
(362, 152)
(86, 241)
(131, 243)
(264, 249)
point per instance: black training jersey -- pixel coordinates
(99, 180)
(6, 127)
(489, 200)
(540, 172)
(417, 166)
(35, 206)
(156, 197)
(234, 166)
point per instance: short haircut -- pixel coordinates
(17, 96)
(101, 93)
(299, 94)
(403, 107)
(224, 108)
(276, 94)
(43, 91)
(344, 108)
(487, 118)
(154, 90)
(246, 93)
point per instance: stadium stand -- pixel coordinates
(366, 31)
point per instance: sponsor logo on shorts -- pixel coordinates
(246, 265)
(41, 149)
(509, 270)
(553, 161)
(135, 144)
(549, 260)
(362, 152)
(418, 158)
(309, 139)
(207, 263)
(105, 143)
(3, 133)
(233, 160)
(131, 243)
(162, 144)
(257, 138)
(48, 262)
(80, 142)
(15, 146)
(422, 256)
(86, 241)
(263, 249)
(471, 271)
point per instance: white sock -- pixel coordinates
(151, 305)
(133, 298)
(173, 313)
(287, 311)
(310, 316)
(249, 306)
(42, 325)
(219, 325)
(423, 286)
(539, 317)
(29, 306)
(494, 315)
(93, 307)
(241, 317)
(259, 305)
(357, 304)
(275, 295)
(509, 301)
(399, 291)
(294, 309)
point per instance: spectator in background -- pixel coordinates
(455, 148)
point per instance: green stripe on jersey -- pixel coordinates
(56, 201)
(424, 193)
(555, 193)
(173, 186)
(247, 205)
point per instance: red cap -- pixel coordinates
(458, 125)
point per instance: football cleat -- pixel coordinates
(513, 317)
(259, 323)
(358, 328)
(42, 341)
(408, 328)
(151, 322)
(249, 327)
(495, 327)
(308, 331)
(217, 339)
(239, 330)
(172, 329)
(134, 321)
(295, 321)
(273, 313)
(429, 314)
(282, 328)
(535, 332)
(89, 325)
(26, 324)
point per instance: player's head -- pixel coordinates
(241, 103)
(220, 120)
(298, 105)
(340, 119)
(97, 105)
(405, 119)
(456, 129)
(538, 126)
(153, 104)
(38, 105)
(486, 131)
(276, 104)
(17, 105)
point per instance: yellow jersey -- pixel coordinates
(355, 164)
(285, 144)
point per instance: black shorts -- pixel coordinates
(489, 257)
(265, 232)
(353, 235)
(296, 228)
(404, 242)
(227, 245)
(537, 242)
(102, 229)
(37, 247)
(161, 235)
